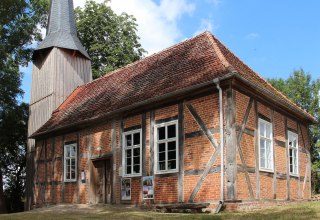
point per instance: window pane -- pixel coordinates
(162, 147)
(136, 152)
(171, 145)
(162, 156)
(73, 162)
(268, 131)
(171, 155)
(161, 133)
(294, 144)
(128, 153)
(262, 144)
(262, 154)
(290, 143)
(129, 169)
(73, 151)
(68, 174)
(128, 140)
(172, 165)
(136, 160)
(136, 169)
(290, 153)
(129, 161)
(262, 128)
(171, 131)
(73, 173)
(68, 162)
(162, 165)
(67, 151)
(136, 139)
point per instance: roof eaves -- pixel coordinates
(270, 94)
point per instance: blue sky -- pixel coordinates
(273, 37)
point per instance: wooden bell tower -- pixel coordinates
(60, 64)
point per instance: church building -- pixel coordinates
(189, 125)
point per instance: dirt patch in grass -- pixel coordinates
(309, 210)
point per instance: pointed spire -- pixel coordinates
(61, 31)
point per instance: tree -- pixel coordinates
(304, 91)
(110, 39)
(20, 22)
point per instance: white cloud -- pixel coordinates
(206, 25)
(157, 23)
(252, 36)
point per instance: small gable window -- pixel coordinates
(293, 152)
(131, 153)
(166, 154)
(265, 145)
(70, 160)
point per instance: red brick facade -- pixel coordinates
(97, 142)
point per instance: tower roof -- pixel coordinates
(61, 30)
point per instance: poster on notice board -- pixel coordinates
(148, 187)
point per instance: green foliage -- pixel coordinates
(304, 91)
(110, 39)
(19, 28)
(20, 22)
(13, 143)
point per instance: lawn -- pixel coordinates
(302, 211)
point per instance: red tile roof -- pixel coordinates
(189, 63)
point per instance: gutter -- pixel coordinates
(221, 202)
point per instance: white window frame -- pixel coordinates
(131, 147)
(65, 158)
(166, 140)
(271, 169)
(294, 135)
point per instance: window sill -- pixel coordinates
(166, 172)
(131, 175)
(266, 170)
(70, 181)
(294, 175)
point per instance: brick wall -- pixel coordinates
(268, 188)
(197, 152)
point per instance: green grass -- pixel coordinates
(308, 211)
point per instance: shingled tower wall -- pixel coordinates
(60, 64)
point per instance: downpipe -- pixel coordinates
(221, 202)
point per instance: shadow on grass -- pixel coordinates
(292, 212)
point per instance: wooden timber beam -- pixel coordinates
(213, 158)
(287, 157)
(256, 147)
(181, 153)
(243, 126)
(231, 145)
(114, 163)
(274, 181)
(152, 122)
(307, 164)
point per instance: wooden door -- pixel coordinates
(101, 175)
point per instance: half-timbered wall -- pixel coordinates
(198, 179)
(278, 184)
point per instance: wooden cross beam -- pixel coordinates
(243, 126)
(213, 158)
(307, 167)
